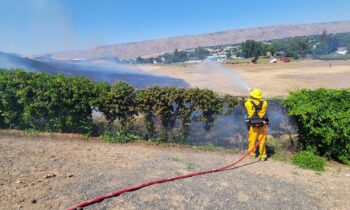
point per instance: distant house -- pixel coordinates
(228, 48)
(193, 61)
(78, 59)
(215, 57)
(190, 50)
(341, 51)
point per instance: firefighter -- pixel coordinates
(257, 120)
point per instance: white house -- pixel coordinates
(341, 51)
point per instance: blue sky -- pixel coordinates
(37, 26)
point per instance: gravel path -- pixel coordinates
(46, 173)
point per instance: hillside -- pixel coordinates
(142, 48)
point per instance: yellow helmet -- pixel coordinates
(256, 93)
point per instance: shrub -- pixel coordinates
(147, 100)
(169, 98)
(323, 119)
(208, 104)
(47, 103)
(118, 102)
(117, 137)
(171, 105)
(308, 160)
(58, 103)
(12, 90)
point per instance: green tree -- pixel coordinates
(200, 53)
(228, 54)
(140, 60)
(251, 48)
(179, 56)
(327, 43)
(272, 48)
(299, 47)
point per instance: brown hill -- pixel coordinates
(143, 48)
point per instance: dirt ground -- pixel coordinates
(274, 79)
(56, 173)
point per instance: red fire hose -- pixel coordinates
(119, 192)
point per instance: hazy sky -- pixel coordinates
(37, 26)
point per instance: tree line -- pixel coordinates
(298, 46)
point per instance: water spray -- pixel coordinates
(232, 75)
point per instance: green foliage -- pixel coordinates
(230, 102)
(170, 105)
(299, 48)
(323, 119)
(147, 100)
(251, 48)
(117, 137)
(179, 56)
(199, 54)
(185, 108)
(308, 160)
(318, 45)
(43, 102)
(326, 44)
(118, 102)
(293, 47)
(46, 103)
(208, 104)
(168, 97)
(274, 47)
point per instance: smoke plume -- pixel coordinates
(37, 26)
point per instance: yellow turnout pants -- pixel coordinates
(254, 135)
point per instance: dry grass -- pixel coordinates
(274, 79)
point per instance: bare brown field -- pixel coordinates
(274, 79)
(59, 172)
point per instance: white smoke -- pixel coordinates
(37, 26)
